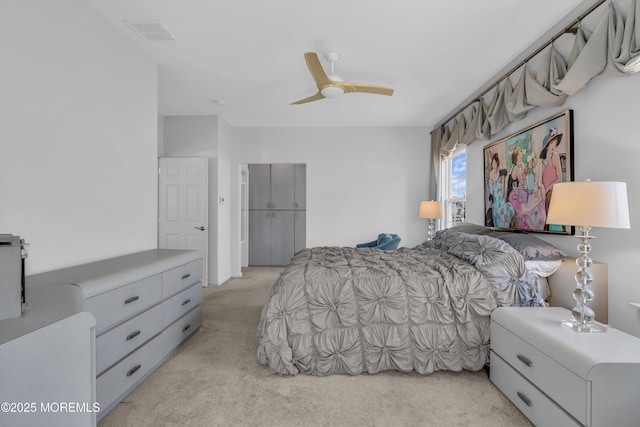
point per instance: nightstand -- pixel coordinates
(558, 377)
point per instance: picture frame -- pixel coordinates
(519, 173)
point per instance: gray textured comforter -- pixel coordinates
(347, 311)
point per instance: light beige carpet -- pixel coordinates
(215, 380)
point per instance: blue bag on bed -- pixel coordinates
(385, 241)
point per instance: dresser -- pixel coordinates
(47, 360)
(558, 377)
(145, 304)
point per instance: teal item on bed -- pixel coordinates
(385, 241)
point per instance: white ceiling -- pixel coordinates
(249, 53)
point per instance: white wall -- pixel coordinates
(225, 176)
(78, 135)
(360, 181)
(606, 148)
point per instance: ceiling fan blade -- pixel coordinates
(316, 70)
(315, 97)
(365, 88)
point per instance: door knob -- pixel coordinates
(201, 228)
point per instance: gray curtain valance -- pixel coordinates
(597, 55)
(612, 49)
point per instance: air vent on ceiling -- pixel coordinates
(151, 31)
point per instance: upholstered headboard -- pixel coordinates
(562, 284)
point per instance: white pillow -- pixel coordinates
(543, 268)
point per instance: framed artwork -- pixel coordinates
(519, 173)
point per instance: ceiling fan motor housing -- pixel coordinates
(332, 56)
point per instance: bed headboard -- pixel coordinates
(562, 284)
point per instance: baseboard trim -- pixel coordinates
(221, 282)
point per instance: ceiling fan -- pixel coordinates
(331, 85)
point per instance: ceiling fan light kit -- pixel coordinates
(332, 86)
(331, 92)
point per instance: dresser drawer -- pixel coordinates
(563, 386)
(179, 278)
(180, 304)
(120, 379)
(121, 303)
(123, 339)
(534, 404)
(182, 329)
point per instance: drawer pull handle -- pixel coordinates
(132, 335)
(186, 328)
(186, 276)
(525, 399)
(525, 360)
(132, 299)
(133, 370)
(185, 302)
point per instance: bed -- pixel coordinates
(340, 310)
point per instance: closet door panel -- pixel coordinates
(282, 186)
(282, 237)
(300, 187)
(300, 230)
(260, 238)
(259, 186)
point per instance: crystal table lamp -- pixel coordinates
(431, 210)
(587, 204)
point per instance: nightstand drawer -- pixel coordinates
(563, 386)
(533, 403)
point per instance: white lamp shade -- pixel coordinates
(595, 204)
(430, 209)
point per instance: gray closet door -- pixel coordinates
(259, 186)
(282, 186)
(300, 184)
(277, 220)
(259, 238)
(300, 230)
(282, 237)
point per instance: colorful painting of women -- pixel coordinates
(502, 211)
(520, 171)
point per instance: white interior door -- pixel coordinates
(183, 206)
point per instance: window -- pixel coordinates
(454, 191)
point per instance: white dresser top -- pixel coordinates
(578, 352)
(101, 276)
(47, 305)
